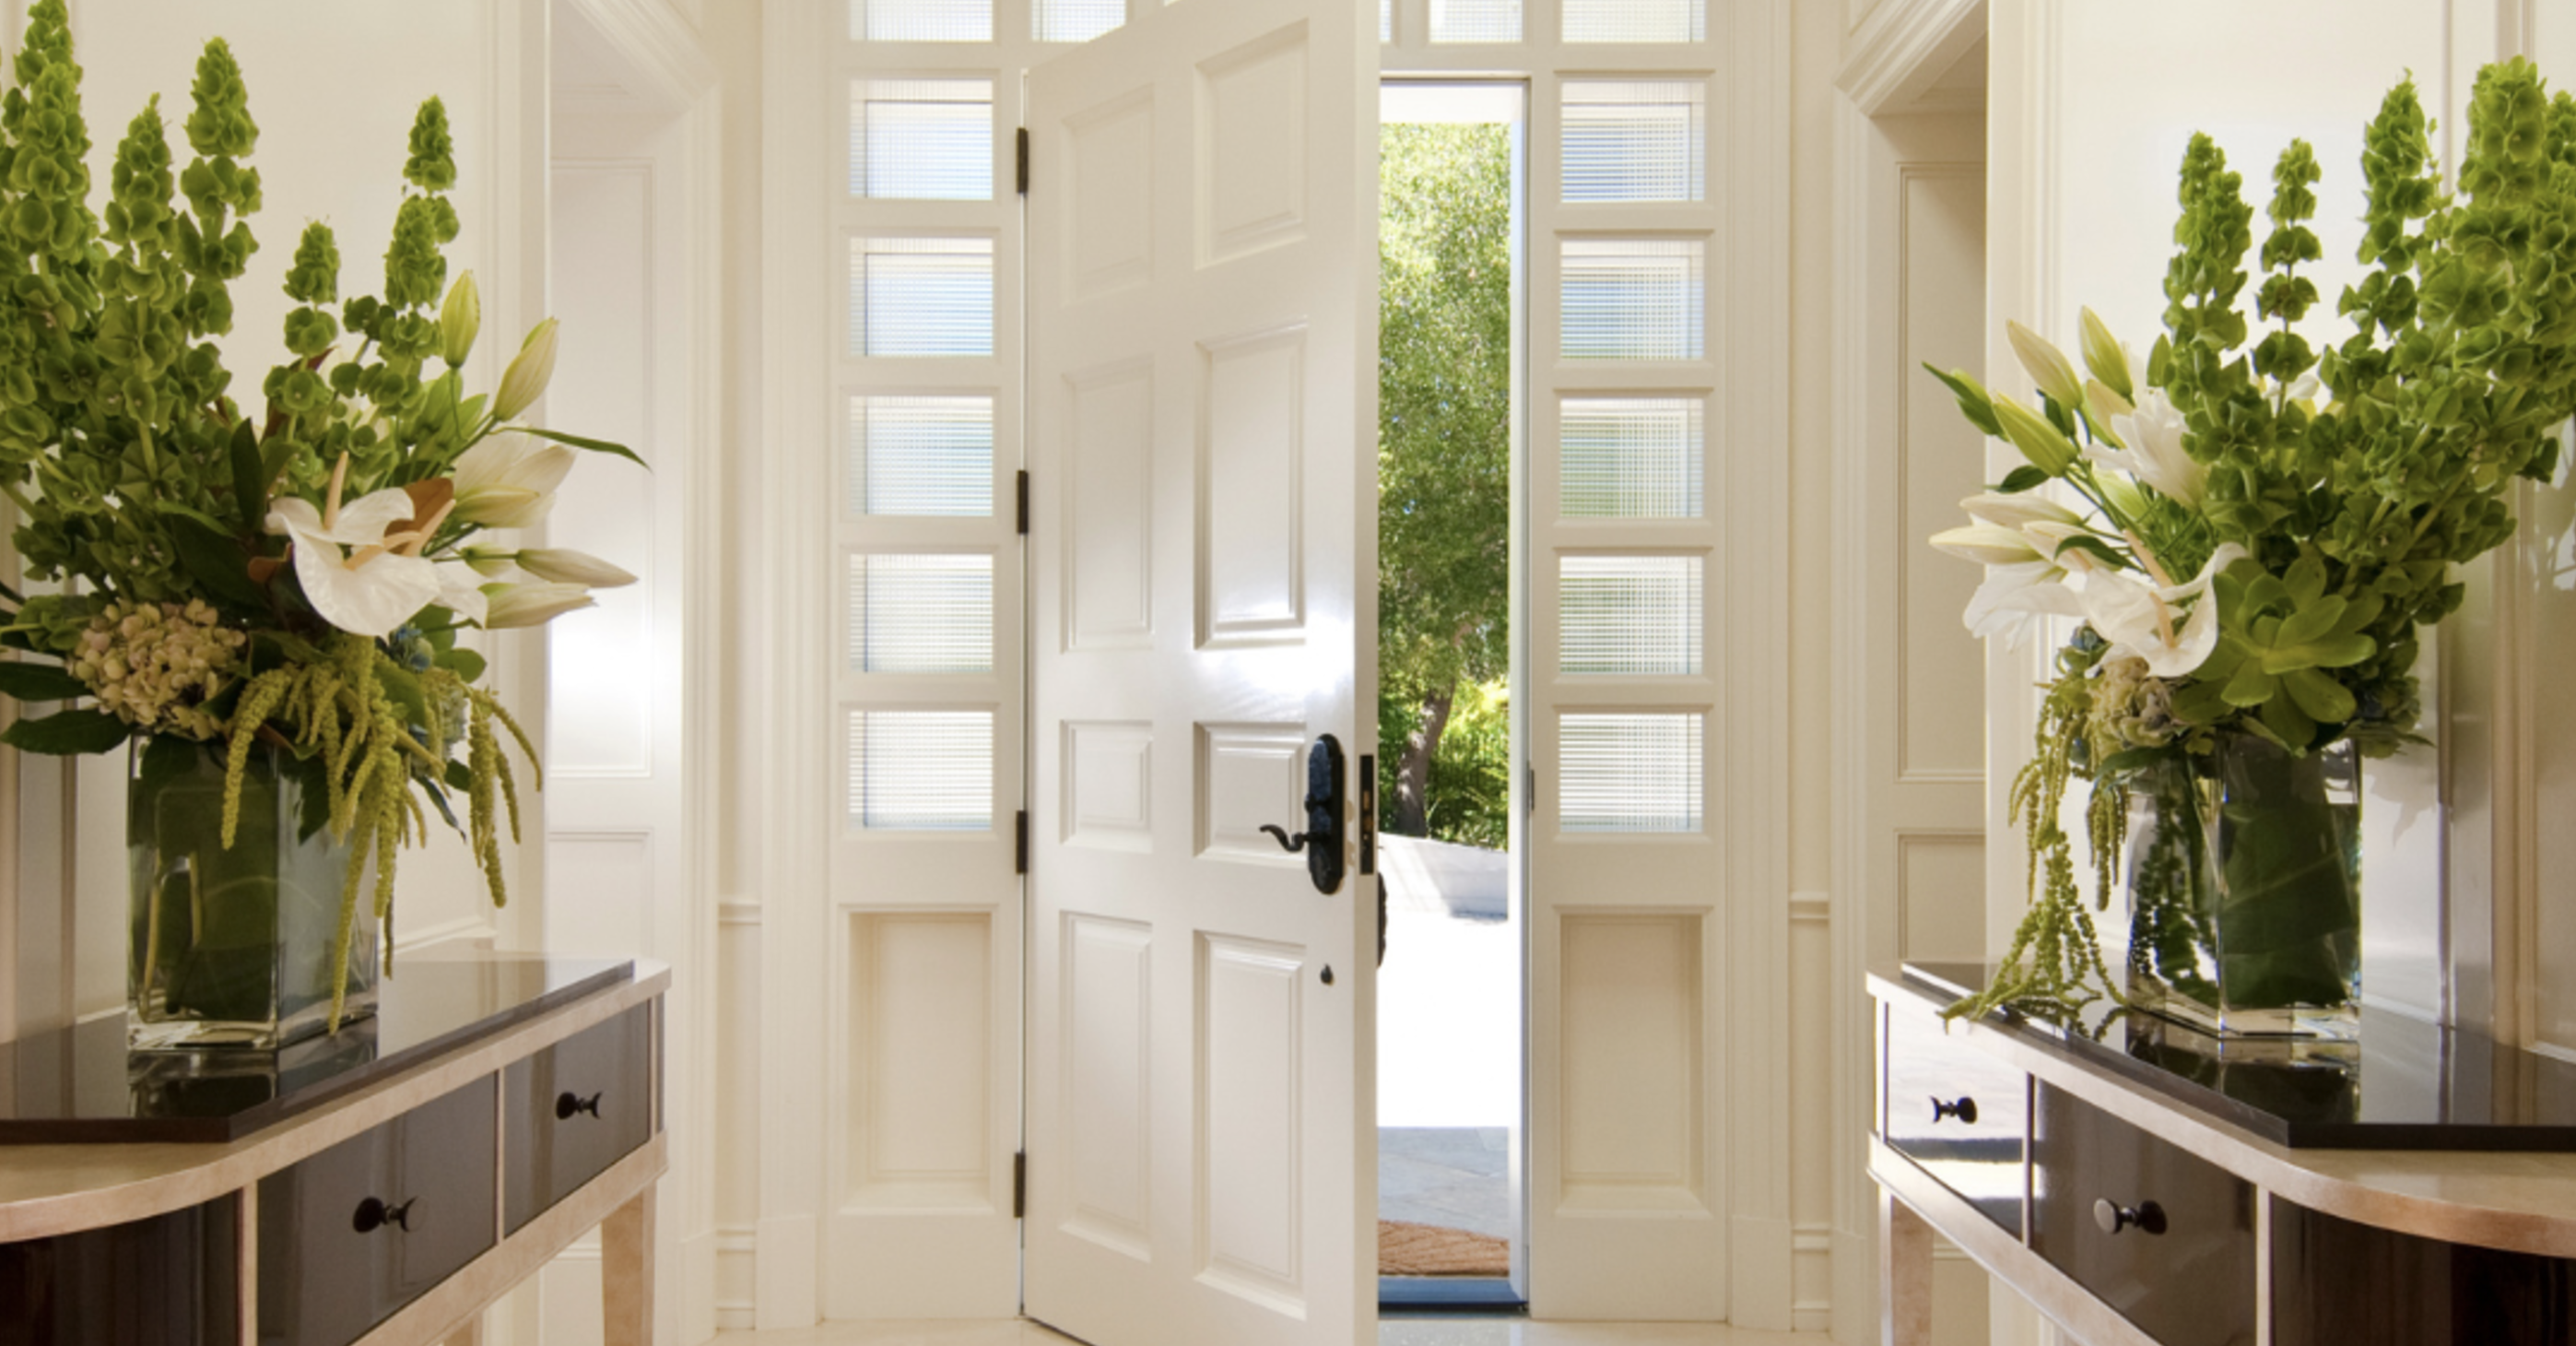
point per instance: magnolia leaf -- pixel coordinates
(466, 664)
(39, 682)
(217, 561)
(594, 445)
(68, 733)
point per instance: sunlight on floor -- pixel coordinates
(1395, 1332)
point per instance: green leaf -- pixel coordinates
(39, 682)
(2092, 546)
(2306, 581)
(2282, 716)
(404, 691)
(2020, 479)
(2127, 760)
(2251, 686)
(2311, 621)
(594, 445)
(68, 733)
(216, 561)
(250, 489)
(2324, 699)
(466, 664)
(2331, 652)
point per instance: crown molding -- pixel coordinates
(1904, 48)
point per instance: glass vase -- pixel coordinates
(231, 947)
(2243, 876)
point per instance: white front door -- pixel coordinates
(1202, 315)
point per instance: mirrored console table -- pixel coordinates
(381, 1185)
(2145, 1185)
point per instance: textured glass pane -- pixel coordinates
(922, 139)
(1635, 140)
(921, 455)
(921, 614)
(1386, 20)
(1631, 299)
(921, 296)
(1629, 773)
(1629, 614)
(921, 770)
(1475, 20)
(1635, 20)
(1629, 458)
(921, 20)
(1076, 20)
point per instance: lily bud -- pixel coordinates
(529, 372)
(2102, 406)
(2104, 356)
(2047, 364)
(531, 604)
(458, 320)
(508, 481)
(567, 566)
(2017, 511)
(2047, 449)
(1988, 545)
(489, 562)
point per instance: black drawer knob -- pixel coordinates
(568, 1105)
(374, 1214)
(2146, 1216)
(1965, 1110)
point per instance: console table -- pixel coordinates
(381, 1185)
(2145, 1185)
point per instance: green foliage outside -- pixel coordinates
(1444, 481)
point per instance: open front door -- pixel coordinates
(1202, 372)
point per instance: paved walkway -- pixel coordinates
(1449, 1038)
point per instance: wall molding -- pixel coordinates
(1903, 48)
(657, 45)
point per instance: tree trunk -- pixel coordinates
(1413, 768)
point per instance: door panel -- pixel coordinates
(1202, 383)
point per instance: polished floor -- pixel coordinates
(1394, 1332)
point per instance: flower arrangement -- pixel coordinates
(2251, 531)
(223, 578)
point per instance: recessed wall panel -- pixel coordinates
(1938, 459)
(1107, 1053)
(1631, 1074)
(920, 1073)
(1109, 784)
(1252, 147)
(1941, 896)
(1109, 170)
(1248, 775)
(1250, 1081)
(1252, 460)
(1108, 537)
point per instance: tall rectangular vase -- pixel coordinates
(232, 947)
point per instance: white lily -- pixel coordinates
(2016, 599)
(1988, 545)
(2137, 616)
(564, 565)
(2018, 510)
(509, 481)
(2155, 453)
(531, 604)
(358, 563)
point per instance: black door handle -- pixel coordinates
(1321, 842)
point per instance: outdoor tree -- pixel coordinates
(1444, 477)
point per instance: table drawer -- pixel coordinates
(2162, 1236)
(349, 1235)
(573, 1109)
(1959, 1114)
(164, 1281)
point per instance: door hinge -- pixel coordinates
(1020, 842)
(1368, 813)
(1021, 173)
(1020, 1185)
(1023, 489)
(1529, 803)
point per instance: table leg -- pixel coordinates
(1904, 1274)
(626, 1267)
(469, 1335)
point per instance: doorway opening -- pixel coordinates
(1450, 1049)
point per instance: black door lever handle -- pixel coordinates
(1287, 843)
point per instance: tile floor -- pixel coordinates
(1394, 1332)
